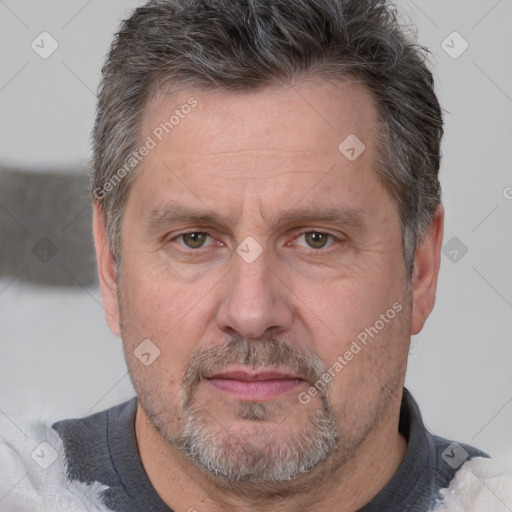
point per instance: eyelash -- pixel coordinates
(179, 238)
(332, 240)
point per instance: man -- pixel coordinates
(268, 224)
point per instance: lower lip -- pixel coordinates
(256, 390)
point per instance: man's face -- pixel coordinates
(259, 257)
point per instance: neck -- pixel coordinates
(340, 487)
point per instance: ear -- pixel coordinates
(106, 270)
(426, 269)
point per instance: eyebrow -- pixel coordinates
(173, 213)
(349, 217)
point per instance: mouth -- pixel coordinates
(256, 385)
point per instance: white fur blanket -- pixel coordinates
(33, 476)
(480, 485)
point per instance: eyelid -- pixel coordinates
(178, 239)
(333, 239)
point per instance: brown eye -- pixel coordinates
(194, 240)
(316, 240)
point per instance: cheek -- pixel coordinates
(360, 330)
(154, 301)
(367, 364)
(174, 316)
(338, 310)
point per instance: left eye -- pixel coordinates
(315, 240)
(194, 240)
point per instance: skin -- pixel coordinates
(250, 158)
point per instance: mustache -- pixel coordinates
(271, 352)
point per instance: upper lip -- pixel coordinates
(256, 376)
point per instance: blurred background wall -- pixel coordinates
(58, 357)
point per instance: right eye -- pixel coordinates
(194, 240)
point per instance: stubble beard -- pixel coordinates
(248, 464)
(256, 460)
(258, 452)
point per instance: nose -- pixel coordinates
(254, 302)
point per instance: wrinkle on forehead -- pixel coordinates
(244, 120)
(255, 155)
(248, 152)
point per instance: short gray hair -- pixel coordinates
(251, 44)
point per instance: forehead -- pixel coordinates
(222, 147)
(308, 116)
